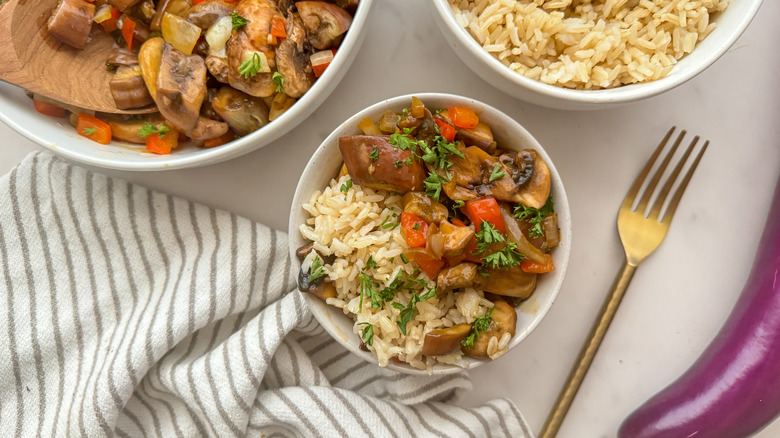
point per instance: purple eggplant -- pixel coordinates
(733, 389)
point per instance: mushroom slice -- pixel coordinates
(121, 57)
(512, 282)
(181, 88)
(206, 129)
(445, 340)
(206, 13)
(150, 58)
(126, 128)
(71, 22)
(292, 61)
(122, 5)
(425, 207)
(128, 88)
(462, 275)
(218, 67)
(325, 22)
(503, 320)
(536, 191)
(244, 113)
(381, 173)
(456, 238)
(253, 38)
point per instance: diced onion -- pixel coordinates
(320, 58)
(103, 13)
(180, 32)
(219, 33)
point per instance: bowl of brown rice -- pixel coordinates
(588, 54)
(353, 235)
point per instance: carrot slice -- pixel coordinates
(463, 117)
(93, 128)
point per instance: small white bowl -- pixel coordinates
(731, 23)
(325, 164)
(58, 136)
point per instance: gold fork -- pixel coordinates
(640, 235)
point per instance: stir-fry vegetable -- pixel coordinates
(179, 54)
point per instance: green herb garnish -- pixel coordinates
(433, 185)
(505, 258)
(535, 216)
(89, 131)
(374, 155)
(346, 186)
(398, 163)
(149, 129)
(481, 325)
(315, 270)
(496, 173)
(278, 81)
(416, 226)
(458, 204)
(408, 311)
(487, 235)
(238, 21)
(251, 66)
(367, 334)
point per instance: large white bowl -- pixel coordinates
(16, 110)
(325, 164)
(731, 23)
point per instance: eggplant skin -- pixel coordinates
(733, 389)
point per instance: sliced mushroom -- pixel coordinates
(279, 105)
(244, 113)
(181, 88)
(124, 128)
(121, 57)
(122, 5)
(536, 191)
(503, 320)
(456, 238)
(206, 129)
(128, 88)
(381, 173)
(424, 206)
(71, 22)
(461, 275)
(150, 58)
(512, 282)
(206, 13)
(320, 286)
(218, 67)
(325, 22)
(250, 39)
(145, 10)
(480, 136)
(292, 59)
(445, 340)
(427, 128)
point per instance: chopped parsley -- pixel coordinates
(346, 186)
(278, 81)
(487, 235)
(408, 311)
(481, 325)
(458, 204)
(367, 334)
(238, 21)
(89, 131)
(433, 185)
(149, 129)
(437, 154)
(398, 163)
(535, 216)
(409, 161)
(496, 173)
(251, 66)
(315, 270)
(374, 155)
(505, 258)
(403, 259)
(403, 142)
(416, 226)
(385, 224)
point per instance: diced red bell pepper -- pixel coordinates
(128, 30)
(278, 26)
(159, 145)
(533, 267)
(485, 209)
(430, 265)
(110, 24)
(458, 222)
(447, 131)
(49, 110)
(93, 128)
(415, 229)
(463, 117)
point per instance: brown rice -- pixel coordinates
(587, 44)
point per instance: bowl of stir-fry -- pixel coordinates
(432, 233)
(214, 79)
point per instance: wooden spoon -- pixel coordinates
(33, 60)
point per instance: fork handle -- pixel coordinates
(588, 352)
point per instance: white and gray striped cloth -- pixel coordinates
(129, 312)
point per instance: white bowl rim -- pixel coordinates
(562, 207)
(625, 93)
(243, 145)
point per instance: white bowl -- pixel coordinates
(731, 23)
(58, 136)
(325, 164)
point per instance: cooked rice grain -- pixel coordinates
(588, 44)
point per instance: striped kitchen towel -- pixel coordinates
(129, 312)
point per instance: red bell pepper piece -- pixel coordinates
(415, 229)
(463, 117)
(49, 110)
(128, 30)
(533, 267)
(447, 131)
(430, 265)
(485, 209)
(93, 128)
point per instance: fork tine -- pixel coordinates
(659, 201)
(678, 194)
(642, 206)
(632, 192)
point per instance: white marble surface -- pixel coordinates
(679, 297)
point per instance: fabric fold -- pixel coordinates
(130, 312)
